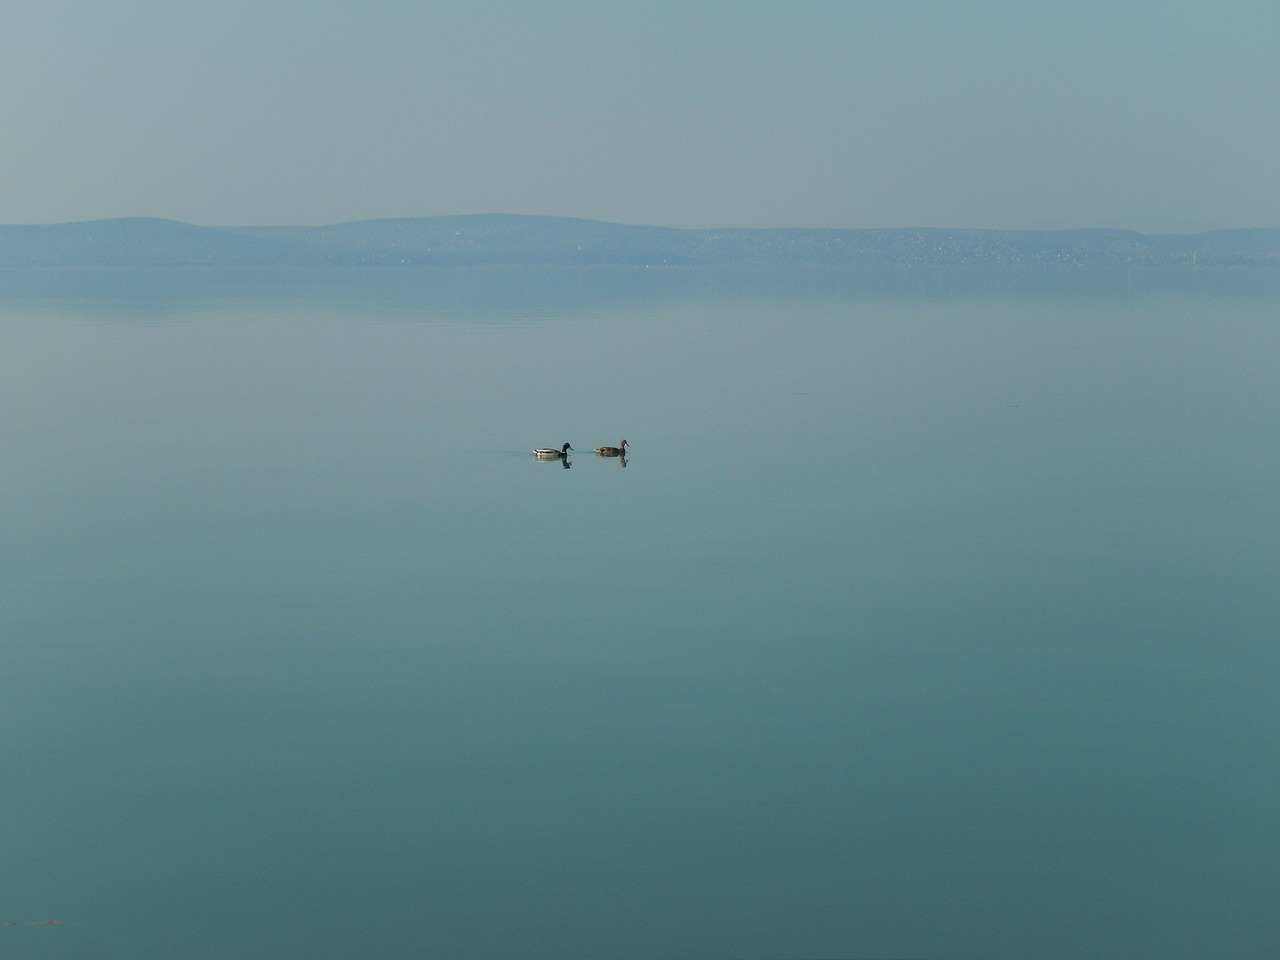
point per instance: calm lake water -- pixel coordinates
(932, 615)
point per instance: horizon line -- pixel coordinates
(648, 226)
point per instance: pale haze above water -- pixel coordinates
(931, 614)
(1157, 117)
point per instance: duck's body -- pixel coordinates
(551, 453)
(617, 451)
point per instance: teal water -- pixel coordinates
(931, 615)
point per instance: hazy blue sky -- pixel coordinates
(1161, 116)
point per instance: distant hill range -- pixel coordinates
(511, 239)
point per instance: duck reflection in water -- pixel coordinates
(619, 452)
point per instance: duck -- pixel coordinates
(551, 453)
(612, 451)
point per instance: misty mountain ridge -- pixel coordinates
(539, 240)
